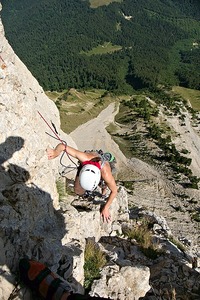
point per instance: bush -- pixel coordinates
(60, 185)
(94, 260)
(143, 235)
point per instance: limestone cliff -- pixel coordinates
(32, 223)
(29, 219)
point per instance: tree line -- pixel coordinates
(157, 42)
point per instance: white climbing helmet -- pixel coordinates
(89, 177)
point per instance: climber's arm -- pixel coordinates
(53, 153)
(110, 182)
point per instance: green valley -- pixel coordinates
(119, 46)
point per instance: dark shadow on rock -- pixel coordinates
(29, 224)
(9, 147)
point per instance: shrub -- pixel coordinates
(94, 260)
(178, 244)
(143, 235)
(60, 189)
(196, 217)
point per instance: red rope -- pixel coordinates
(58, 139)
(51, 129)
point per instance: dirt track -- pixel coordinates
(93, 134)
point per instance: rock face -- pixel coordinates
(124, 283)
(35, 223)
(32, 222)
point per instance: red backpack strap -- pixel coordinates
(90, 162)
(40, 279)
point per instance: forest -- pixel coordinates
(151, 43)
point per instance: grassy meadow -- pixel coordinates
(107, 47)
(193, 96)
(77, 107)
(97, 3)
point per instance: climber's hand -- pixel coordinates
(51, 153)
(105, 214)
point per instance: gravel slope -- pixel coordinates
(150, 188)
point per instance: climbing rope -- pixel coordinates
(64, 143)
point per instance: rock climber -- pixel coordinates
(92, 169)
